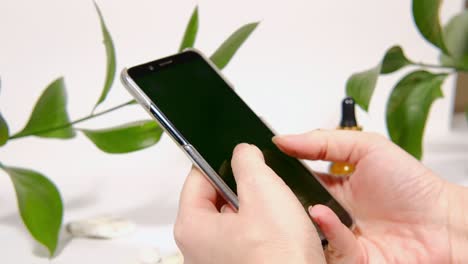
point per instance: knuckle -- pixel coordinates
(377, 136)
(378, 139)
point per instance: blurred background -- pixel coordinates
(292, 71)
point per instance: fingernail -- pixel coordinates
(313, 216)
(277, 137)
(223, 208)
(311, 212)
(310, 209)
(274, 139)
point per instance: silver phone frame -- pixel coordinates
(223, 189)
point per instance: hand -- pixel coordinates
(270, 226)
(403, 213)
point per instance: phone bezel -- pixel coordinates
(224, 190)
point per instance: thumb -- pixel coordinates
(254, 179)
(343, 246)
(331, 145)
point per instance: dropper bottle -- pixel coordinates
(348, 122)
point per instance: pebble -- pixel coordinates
(153, 256)
(102, 227)
(176, 258)
(150, 256)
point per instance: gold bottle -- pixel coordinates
(348, 122)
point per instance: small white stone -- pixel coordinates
(176, 258)
(103, 227)
(150, 256)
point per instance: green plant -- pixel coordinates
(412, 97)
(39, 200)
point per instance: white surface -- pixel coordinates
(292, 71)
(125, 250)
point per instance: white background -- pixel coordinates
(292, 71)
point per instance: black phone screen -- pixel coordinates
(214, 119)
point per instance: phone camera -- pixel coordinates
(151, 68)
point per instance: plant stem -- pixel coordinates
(426, 65)
(16, 136)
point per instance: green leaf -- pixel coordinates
(360, 86)
(408, 108)
(456, 39)
(111, 62)
(226, 51)
(126, 138)
(426, 17)
(456, 36)
(50, 112)
(448, 61)
(190, 31)
(394, 60)
(4, 132)
(40, 205)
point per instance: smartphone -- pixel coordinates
(191, 100)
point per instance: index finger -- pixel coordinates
(330, 145)
(198, 193)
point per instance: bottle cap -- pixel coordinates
(348, 117)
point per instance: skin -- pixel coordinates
(271, 225)
(403, 212)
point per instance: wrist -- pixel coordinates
(457, 216)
